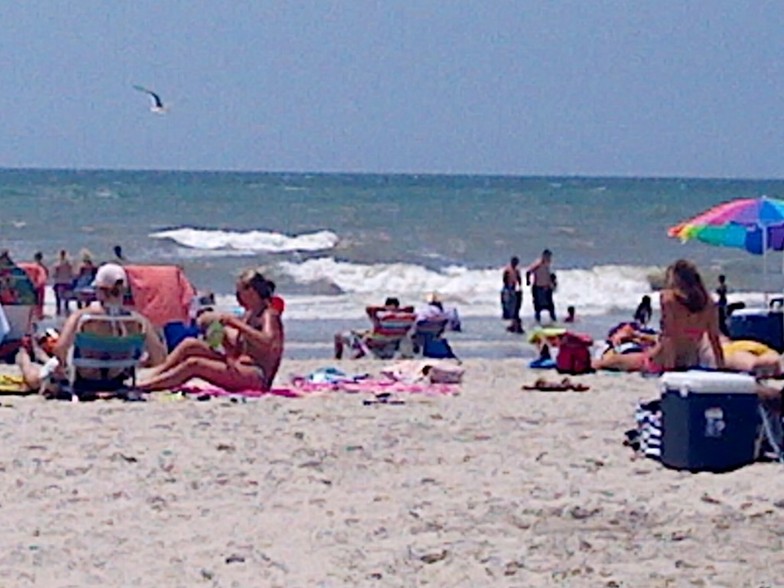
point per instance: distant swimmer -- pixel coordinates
(157, 104)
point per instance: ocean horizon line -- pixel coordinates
(392, 174)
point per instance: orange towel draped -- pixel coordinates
(35, 272)
(162, 293)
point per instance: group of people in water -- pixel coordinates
(543, 282)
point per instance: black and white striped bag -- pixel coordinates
(646, 438)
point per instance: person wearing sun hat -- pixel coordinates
(435, 310)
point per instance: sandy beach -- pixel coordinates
(492, 487)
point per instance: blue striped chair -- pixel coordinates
(107, 344)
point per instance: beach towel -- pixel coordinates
(433, 371)
(374, 385)
(13, 385)
(215, 392)
(162, 293)
(330, 375)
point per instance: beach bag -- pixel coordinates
(646, 437)
(574, 354)
(443, 373)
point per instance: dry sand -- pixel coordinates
(494, 487)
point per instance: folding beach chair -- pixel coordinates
(105, 343)
(429, 339)
(384, 340)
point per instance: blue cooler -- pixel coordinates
(710, 420)
(758, 324)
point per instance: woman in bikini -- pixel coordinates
(689, 317)
(252, 345)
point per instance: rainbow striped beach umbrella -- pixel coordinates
(753, 224)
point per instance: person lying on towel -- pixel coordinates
(238, 353)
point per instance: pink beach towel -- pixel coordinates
(301, 387)
(220, 392)
(162, 293)
(374, 386)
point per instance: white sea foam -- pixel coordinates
(475, 292)
(248, 241)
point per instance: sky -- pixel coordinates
(599, 88)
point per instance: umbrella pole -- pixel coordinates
(765, 264)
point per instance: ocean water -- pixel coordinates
(336, 242)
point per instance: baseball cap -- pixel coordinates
(110, 275)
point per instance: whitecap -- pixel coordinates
(248, 241)
(593, 291)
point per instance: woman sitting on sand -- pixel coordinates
(689, 317)
(248, 351)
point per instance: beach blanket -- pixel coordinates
(12, 385)
(302, 386)
(215, 392)
(376, 386)
(433, 371)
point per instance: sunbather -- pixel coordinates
(751, 356)
(249, 351)
(689, 321)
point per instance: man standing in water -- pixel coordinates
(512, 296)
(542, 286)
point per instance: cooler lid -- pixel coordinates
(751, 312)
(707, 382)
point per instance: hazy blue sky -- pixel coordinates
(529, 87)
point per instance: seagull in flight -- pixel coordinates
(157, 104)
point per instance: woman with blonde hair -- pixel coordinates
(240, 353)
(689, 320)
(689, 317)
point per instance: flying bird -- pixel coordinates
(157, 104)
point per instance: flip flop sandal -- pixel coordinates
(545, 386)
(575, 386)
